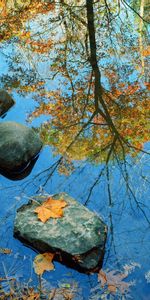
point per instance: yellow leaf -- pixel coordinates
(43, 213)
(43, 262)
(50, 209)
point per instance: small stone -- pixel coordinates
(77, 239)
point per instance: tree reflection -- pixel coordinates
(87, 69)
(97, 112)
(88, 121)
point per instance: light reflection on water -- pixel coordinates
(124, 205)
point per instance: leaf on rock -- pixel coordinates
(43, 262)
(114, 280)
(50, 209)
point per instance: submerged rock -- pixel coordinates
(77, 239)
(18, 146)
(6, 102)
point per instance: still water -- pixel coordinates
(57, 72)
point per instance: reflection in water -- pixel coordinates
(22, 173)
(86, 66)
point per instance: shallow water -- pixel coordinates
(44, 59)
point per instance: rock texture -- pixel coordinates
(18, 146)
(78, 238)
(6, 102)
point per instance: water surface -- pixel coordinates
(86, 90)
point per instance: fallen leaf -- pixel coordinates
(102, 277)
(30, 295)
(5, 251)
(114, 280)
(43, 262)
(112, 288)
(50, 209)
(35, 296)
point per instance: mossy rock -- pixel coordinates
(77, 239)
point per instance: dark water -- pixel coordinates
(46, 59)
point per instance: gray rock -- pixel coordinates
(6, 102)
(77, 239)
(18, 146)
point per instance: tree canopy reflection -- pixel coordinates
(98, 111)
(87, 120)
(85, 63)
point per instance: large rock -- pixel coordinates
(18, 146)
(21, 174)
(77, 239)
(6, 102)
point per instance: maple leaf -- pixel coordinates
(43, 262)
(50, 209)
(114, 280)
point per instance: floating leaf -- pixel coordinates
(50, 209)
(5, 251)
(43, 262)
(114, 280)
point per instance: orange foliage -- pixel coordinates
(129, 115)
(43, 262)
(146, 52)
(40, 46)
(13, 19)
(50, 209)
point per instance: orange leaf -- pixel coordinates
(5, 251)
(33, 296)
(112, 288)
(43, 262)
(102, 278)
(114, 280)
(50, 209)
(146, 52)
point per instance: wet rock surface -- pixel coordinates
(18, 146)
(78, 238)
(22, 173)
(6, 102)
